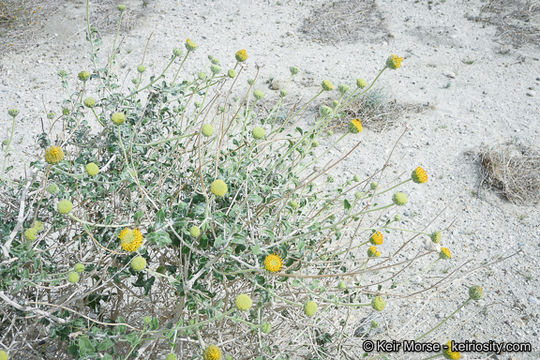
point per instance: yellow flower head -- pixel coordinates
(54, 154)
(138, 263)
(355, 126)
(273, 263)
(310, 308)
(83, 75)
(394, 62)
(449, 354)
(243, 302)
(241, 55)
(207, 130)
(118, 118)
(131, 240)
(419, 175)
(476, 292)
(219, 188)
(92, 169)
(30, 234)
(212, 352)
(373, 252)
(378, 303)
(376, 238)
(399, 198)
(445, 253)
(64, 206)
(327, 85)
(190, 44)
(3, 355)
(73, 277)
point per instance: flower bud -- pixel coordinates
(241, 55)
(327, 85)
(399, 198)
(476, 292)
(378, 303)
(118, 118)
(73, 277)
(361, 83)
(310, 308)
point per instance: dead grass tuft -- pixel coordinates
(345, 20)
(378, 112)
(104, 15)
(517, 21)
(513, 170)
(21, 21)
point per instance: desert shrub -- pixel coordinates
(168, 219)
(499, 166)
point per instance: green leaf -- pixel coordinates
(85, 346)
(160, 238)
(105, 344)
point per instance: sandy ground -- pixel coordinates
(471, 104)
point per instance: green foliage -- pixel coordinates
(155, 174)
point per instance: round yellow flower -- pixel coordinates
(241, 55)
(64, 206)
(89, 102)
(376, 238)
(118, 118)
(195, 231)
(258, 132)
(373, 252)
(449, 354)
(356, 126)
(54, 154)
(30, 234)
(310, 308)
(219, 188)
(327, 85)
(436, 237)
(92, 169)
(138, 263)
(399, 198)
(419, 175)
(361, 83)
(131, 240)
(73, 277)
(273, 263)
(476, 292)
(207, 130)
(243, 302)
(38, 225)
(190, 45)
(266, 327)
(83, 75)
(79, 268)
(394, 62)
(378, 303)
(212, 352)
(445, 253)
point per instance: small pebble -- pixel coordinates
(531, 93)
(450, 74)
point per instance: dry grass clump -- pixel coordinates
(20, 20)
(105, 15)
(514, 170)
(516, 21)
(378, 112)
(345, 20)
